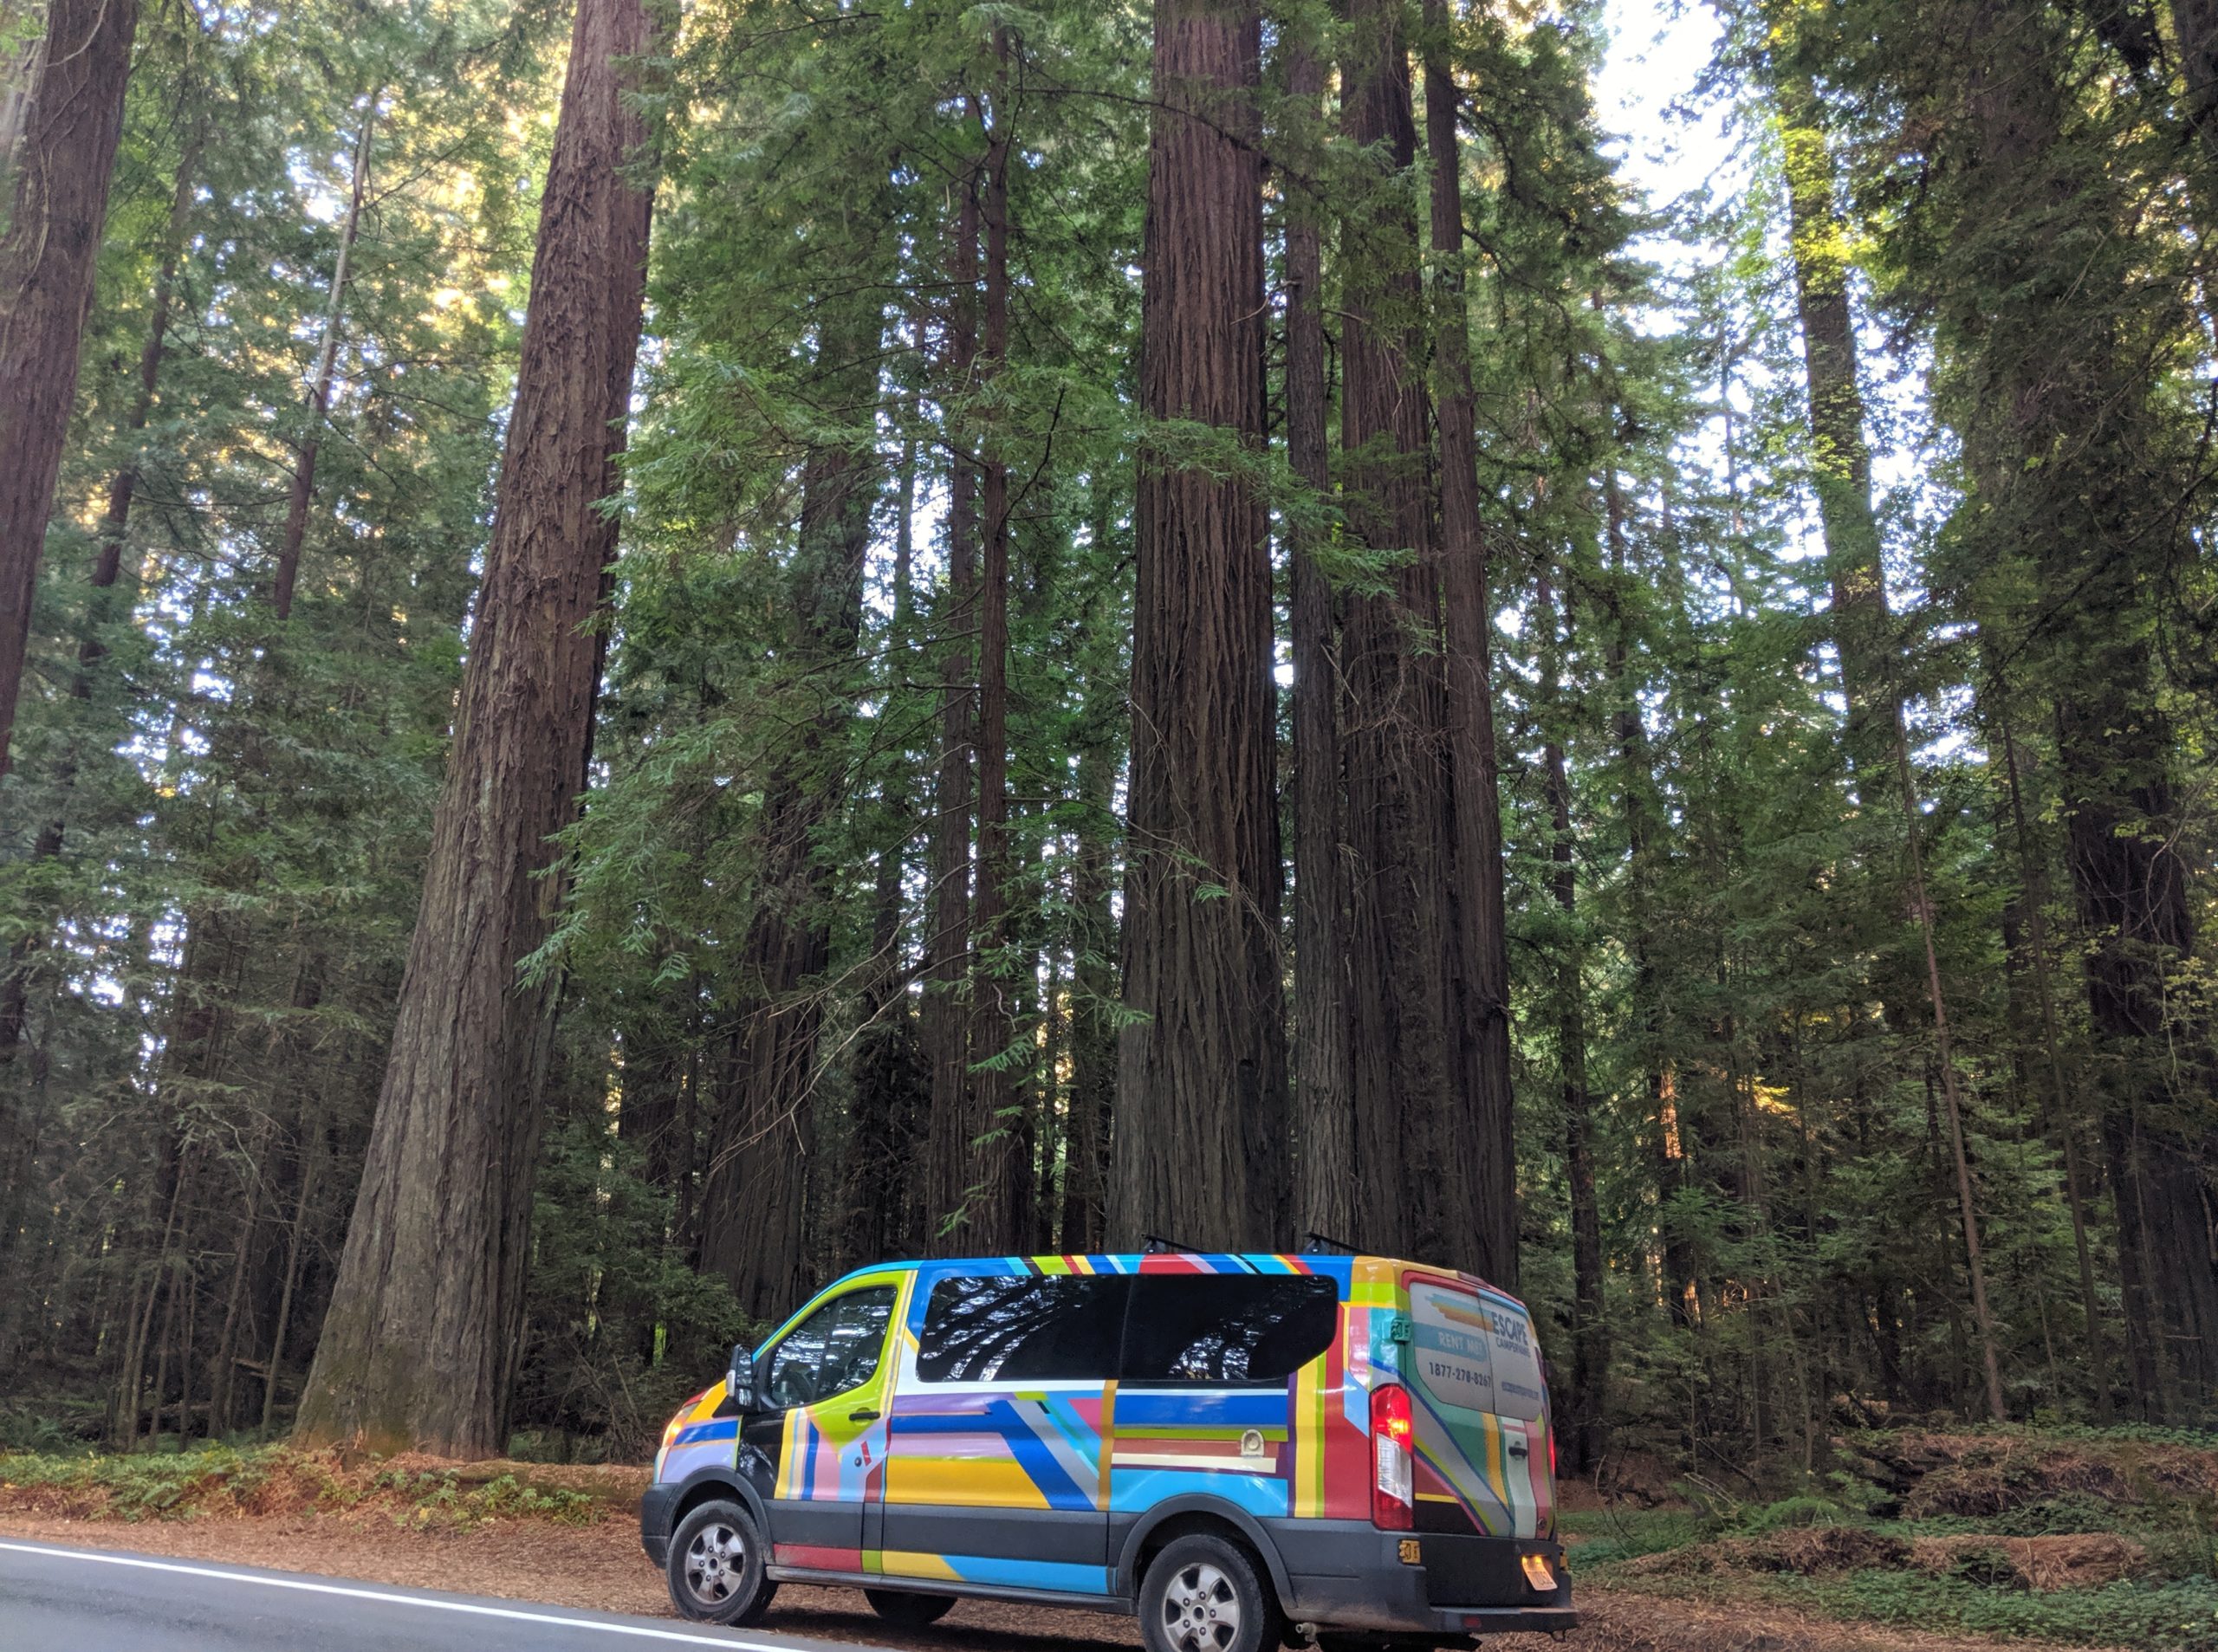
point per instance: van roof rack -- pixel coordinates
(1157, 1244)
(1312, 1242)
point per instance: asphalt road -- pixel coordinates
(53, 1599)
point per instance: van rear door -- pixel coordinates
(1481, 1411)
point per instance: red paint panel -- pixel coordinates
(817, 1558)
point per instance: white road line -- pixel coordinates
(307, 1586)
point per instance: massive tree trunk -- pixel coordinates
(1398, 814)
(418, 1344)
(753, 1229)
(2056, 414)
(1324, 1200)
(326, 362)
(1476, 1157)
(947, 946)
(47, 246)
(1201, 1077)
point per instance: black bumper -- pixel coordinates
(1349, 1575)
(654, 1521)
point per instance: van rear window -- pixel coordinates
(1473, 1355)
(1228, 1328)
(1038, 1328)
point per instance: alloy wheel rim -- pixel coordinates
(714, 1561)
(1201, 1610)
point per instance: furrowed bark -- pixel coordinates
(1478, 1159)
(1324, 1116)
(416, 1341)
(1398, 814)
(1200, 1073)
(48, 247)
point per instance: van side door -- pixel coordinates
(999, 1474)
(1206, 1393)
(817, 1447)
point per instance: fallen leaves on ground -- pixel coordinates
(601, 1568)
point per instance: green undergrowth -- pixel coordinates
(2167, 1617)
(2085, 1537)
(219, 1480)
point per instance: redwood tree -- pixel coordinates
(419, 1341)
(1406, 1106)
(48, 246)
(1201, 1102)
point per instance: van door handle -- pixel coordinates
(1518, 1450)
(864, 1415)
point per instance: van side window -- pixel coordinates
(835, 1350)
(1226, 1328)
(1042, 1328)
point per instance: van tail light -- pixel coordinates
(1393, 1492)
(1551, 1452)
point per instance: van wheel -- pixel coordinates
(907, 1611)
(715, 1566)
(1201, 1595)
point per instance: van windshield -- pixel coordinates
(1473, 1354)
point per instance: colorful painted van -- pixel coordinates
(1242, 1449)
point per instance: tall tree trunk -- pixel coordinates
(1325, 1191)
(1093, 1007)
(48, 245)
(754, 1231)
(1590, 1327)
(2056, 414)
(947, 947)
(1200, 1073)
(1404, 1067)
(92, 647)
(2194, 26)
(327, 361)
(1477, 1161)
(881, 1190)
(1840, 455)
(1944, 1057)
(415, 1346)
(992, 1225)
(1635, 786)
(2034, 886)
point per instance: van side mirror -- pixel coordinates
(739, 1381)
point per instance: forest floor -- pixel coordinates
(1951, 1543)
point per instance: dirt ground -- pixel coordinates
(600, 1567)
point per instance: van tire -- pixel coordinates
(717, 1568)
(907, 1611)
(1204, 1593)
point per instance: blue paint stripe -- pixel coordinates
(1206, 1408)
(1138, 1490)
(694, 1433)
(1040, 1464)
(1064, 1577)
